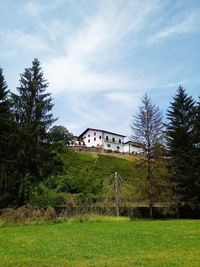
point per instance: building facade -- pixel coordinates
(103, 139)
(100, 140)
(133, 148)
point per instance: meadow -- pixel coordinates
(106, 242)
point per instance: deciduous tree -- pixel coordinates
(60, 133)
(147, 129)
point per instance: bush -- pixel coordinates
(27, 213)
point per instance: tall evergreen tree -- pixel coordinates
(4, 113)
(147, 129)
(5, 131)
(195, 200)
(180, 143)
(32, 109)
(197, 124)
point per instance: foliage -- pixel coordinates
(184, 155)
(45, 196)
(91, 180)
(7, 148)
(59, 133)
(33, 118)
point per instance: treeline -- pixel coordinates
(31, 152)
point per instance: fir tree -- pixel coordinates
(180, 143)
(5, 131)
(4, 112)
(33, 115)
(195, 200)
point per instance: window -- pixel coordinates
(118, 147)
(108, 145)
(94, 133)
(107, 138)
(88, 140)
(79, 142)
(94, 138)
(113, 139)
(88, 135)
(100, 137)
(120, 141)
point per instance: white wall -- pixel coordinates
(129, 148)
(100, 136)
(93, 138)
(113, 144)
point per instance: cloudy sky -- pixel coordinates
(101, 56)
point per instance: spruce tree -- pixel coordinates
(32, 109)
(4, 113)
(5, 131)
(180, 143)
(195, 200)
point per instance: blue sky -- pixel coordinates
(100, 57)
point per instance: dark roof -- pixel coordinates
(101, 131)
(137, 144)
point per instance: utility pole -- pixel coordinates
(114, 195)
(117, 188)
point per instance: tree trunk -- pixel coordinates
(151, 187)
(151, 210)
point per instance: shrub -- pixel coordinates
(27, 213)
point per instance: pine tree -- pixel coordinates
(5, 131)
(180, 143)
(195, 200)
(147, 129)
(4, 113)
(197, 124)
(32, 108)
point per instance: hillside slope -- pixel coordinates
(89, 175)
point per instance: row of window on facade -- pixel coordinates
(113, 139)
(108, 145)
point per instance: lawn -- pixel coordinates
(107, 243)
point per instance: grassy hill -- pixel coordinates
(89, 174)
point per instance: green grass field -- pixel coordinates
(107, 243)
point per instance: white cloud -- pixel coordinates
(186, 23)
(89, 58)
(36, 8)
(33, 8)
(127, 99)
(17, 42)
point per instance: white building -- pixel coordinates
(133, 147)
(76, 141)
(103, 139)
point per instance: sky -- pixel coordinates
(101, 56)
